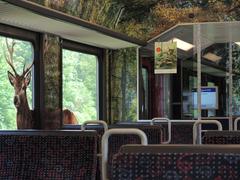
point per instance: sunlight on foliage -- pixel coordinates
(79, 84)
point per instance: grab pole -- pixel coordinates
(105, 139)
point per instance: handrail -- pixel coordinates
(236, 123)
(172, 121)
(216, 117)
(169, 127)
(198, 122)
(103, 123)
(105, 138)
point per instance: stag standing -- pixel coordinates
(20, 83)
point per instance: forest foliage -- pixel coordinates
(80, 84)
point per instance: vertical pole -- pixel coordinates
(230, 87)
(197, 35)
(198, 44)
(138, 67)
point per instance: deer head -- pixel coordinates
(19, 82)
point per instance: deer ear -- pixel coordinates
(11, 78)
(27, 78)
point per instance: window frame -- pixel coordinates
(34, 38)
(91, 50)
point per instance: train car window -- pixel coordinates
(80, 91)
(16, 56)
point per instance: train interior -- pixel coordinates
(80, 101)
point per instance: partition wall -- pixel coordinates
(207, 82)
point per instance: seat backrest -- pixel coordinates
(181, 132)
(48, 154)
(98, 128)
(177, 162)
(153, 133)
(221, 137)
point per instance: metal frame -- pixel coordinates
(103, 123)
(157, 119)
(36, 132)
(172, 121)
(230, 106)
(105, 138)
(138, 82)
(199, 81)
(196, 129)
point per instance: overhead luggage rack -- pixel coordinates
(34, 17)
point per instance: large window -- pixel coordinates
(80, 93)
(19, 53)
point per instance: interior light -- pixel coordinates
(238, 43)
(212, 57)
(185, 46)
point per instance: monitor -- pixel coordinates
(209, 97)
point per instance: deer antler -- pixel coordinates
(9, 58)
(25, 71)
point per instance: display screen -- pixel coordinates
(209, 98)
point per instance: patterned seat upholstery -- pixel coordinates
(154, 135)
(181, 133)
(176, 163)
(221, 137)
(100, 131)
(48, 155)
(154, 132)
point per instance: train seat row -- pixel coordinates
(117, 154)
(195, 162)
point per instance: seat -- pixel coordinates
(198, 162)
(221, 137)
(48, 155)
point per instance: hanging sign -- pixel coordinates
(165, 57)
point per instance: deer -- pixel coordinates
(25, 118)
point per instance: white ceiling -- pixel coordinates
(26, 19)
